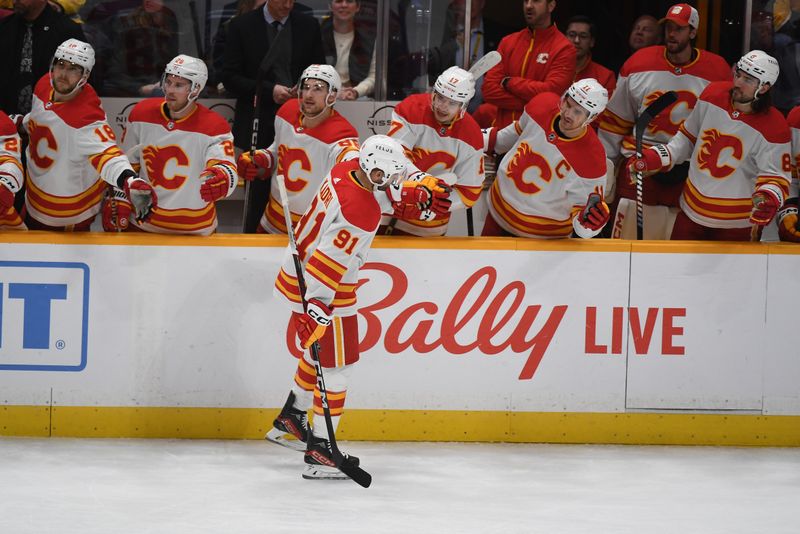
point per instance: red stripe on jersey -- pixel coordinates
(274, 214)
(611, 122)
(10, 220)
(325, 269)
(99, 161)
(469, 194)
(724, 209)
(528, 224)
(184, 220)
(779, 181)
(56, 206)
(287, 285)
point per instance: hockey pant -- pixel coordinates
(338, 352)
(657, 221)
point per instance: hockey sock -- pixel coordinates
(336, 384)
(305, 381)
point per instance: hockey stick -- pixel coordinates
(266, 63)
(650, 112)
(198, 41)
(358, 475)
(477, 70)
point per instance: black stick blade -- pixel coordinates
(358, 475)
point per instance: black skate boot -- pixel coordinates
(319, 460)
(290, 422)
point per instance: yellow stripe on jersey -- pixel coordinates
(611, 122)
(723, 209)
(9, 159)
(99, 161)
(525, 223)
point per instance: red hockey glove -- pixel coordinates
(765, 206)
(6, 194)
(430, 193)
(216, 183)
(141, 195)
(653, 160)
(258, 166)
(312, 324)
(595, 214)
(116, 212)
(409, 212)
(787, 222)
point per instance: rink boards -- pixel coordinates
(462, 340)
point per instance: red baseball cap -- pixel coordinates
(682, 15)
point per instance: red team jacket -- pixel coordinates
(537, 61)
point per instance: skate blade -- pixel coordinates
(323, 472)
(280, 438)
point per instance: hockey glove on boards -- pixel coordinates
(257, 165)
(116, 212)
(140, 194)
(6, 194)
(787, 222)
(216, 183)
(765, 206)
(595, 213)
(312, 324)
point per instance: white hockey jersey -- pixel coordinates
(71, 156)
(544, 180)
(439, 151)
(333, 240)
(172, 154)
(645, 76)
(10, 170)
(731, 154)
(304, 157)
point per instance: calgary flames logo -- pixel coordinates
(287, 157)
(710, 153)
(426, 160)
(524, 159)
(157, 159)
(39, 133)
(664, 122)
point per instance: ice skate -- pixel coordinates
(319, 461)
(291, 422)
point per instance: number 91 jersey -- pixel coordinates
(333, 239)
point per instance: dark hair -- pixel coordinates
(763, 102)
(583, 19)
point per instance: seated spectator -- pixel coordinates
(143, 41)
(581, 31)
(350, 48)
(645, 32)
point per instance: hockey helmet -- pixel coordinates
(590, 95)
(384, 153)
(191, 69)
(76, 52)
(325, 73)
(761, 66)
(456, 84)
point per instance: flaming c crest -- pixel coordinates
(663, 123)
(713, 143)
(39, 133)
(156, 159)
(524, 159)
(287, 157)
(425, 160)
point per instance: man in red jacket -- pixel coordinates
(537, 59)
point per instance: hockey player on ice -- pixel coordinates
(310, 138)
(442, 141)
(333, 238)
(11, 174)
(184, 150)
(552, 178)
(72, 153)
(738, 148)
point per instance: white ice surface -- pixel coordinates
(168, 486)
